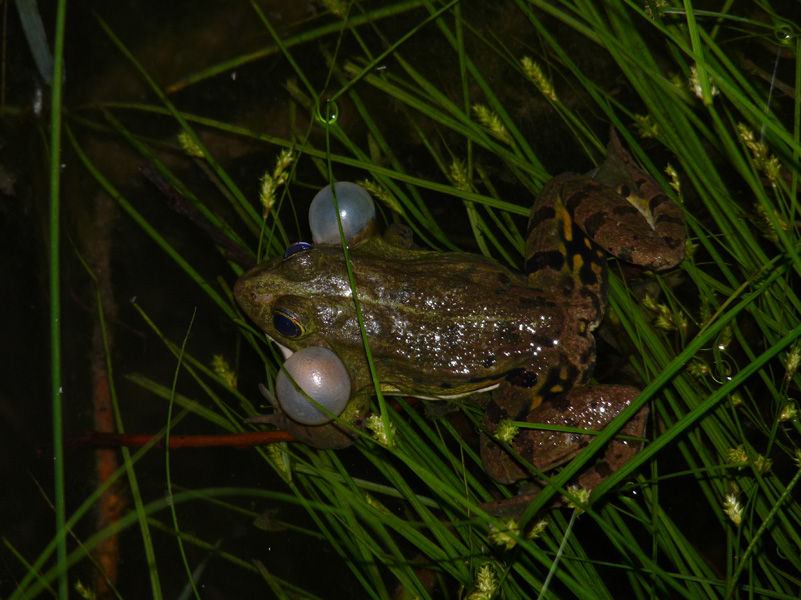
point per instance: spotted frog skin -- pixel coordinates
(443, 325)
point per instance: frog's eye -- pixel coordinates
(297, 248)
(321, 375)
(287, 324)
(356, 210)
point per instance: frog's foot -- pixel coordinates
(589, 408)
(330, 436)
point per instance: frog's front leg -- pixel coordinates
(583, 408)
(329, 436)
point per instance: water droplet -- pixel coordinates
(784, 34)
(327, 112)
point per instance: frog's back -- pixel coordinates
(468, 319)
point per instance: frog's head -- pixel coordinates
(304, 300)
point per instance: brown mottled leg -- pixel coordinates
(589, 407)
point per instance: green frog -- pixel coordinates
(445, 325)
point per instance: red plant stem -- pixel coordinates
(248, 439)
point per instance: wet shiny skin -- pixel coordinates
(447, 324)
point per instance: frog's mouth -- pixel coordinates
(287, 352)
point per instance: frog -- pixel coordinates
(448, 325)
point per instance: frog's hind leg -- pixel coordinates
(560, 258)
(629, 215)
(618, 451)
(585, 407)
